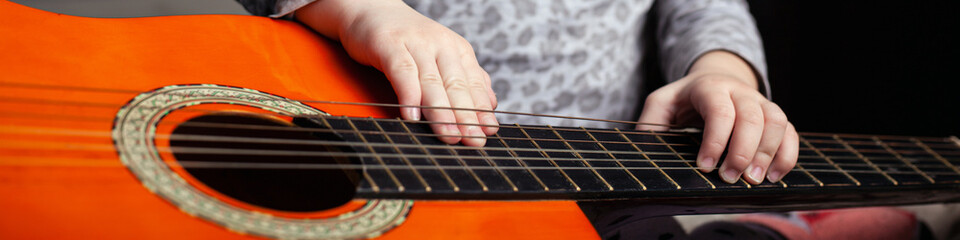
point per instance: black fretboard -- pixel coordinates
(405, 160)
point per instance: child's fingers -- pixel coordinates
(480, 90)
(399, 66)
(459, 94)
(434, 95)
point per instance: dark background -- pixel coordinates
(879, 67)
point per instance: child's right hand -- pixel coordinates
(427, 63)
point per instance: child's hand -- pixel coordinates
(427, 63)
(722, 89)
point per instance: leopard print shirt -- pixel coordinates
(583, 57)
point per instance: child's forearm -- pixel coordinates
(328, 17)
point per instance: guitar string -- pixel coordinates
(389, 105)
(933, 140)
(110, 163)
(108, 90)
(24, 114)
(235, 126)
(217, 138)
(233, 139)
(262, 140)
(271, 152)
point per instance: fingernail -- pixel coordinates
(707, 164)
(773, 176)
(730, 175)
(475, 131)
(414, 113)
(452, 129)
(489, 119)
(756, 174)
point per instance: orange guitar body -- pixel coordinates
(53, 187)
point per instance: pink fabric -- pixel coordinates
(854, 224)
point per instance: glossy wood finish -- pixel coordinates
(54, 186)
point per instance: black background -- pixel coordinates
(876, 67)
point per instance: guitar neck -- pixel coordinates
(405, 160)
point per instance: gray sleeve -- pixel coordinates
(688, 29)
(273, 8)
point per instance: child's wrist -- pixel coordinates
(726, 63)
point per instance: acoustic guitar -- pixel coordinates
(231, 127)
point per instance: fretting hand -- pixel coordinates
(720, 92)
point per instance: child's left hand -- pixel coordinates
(720, 91)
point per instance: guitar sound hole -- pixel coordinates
(266, 177)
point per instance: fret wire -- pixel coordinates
(373, 184)
(806, 171)
(432, 159)
(935, 155)
(585, 163)
(865, 159)
(523, 164)
(648, 159)
(376, 156)
(483, 186)
(632, 176)
(827, 159)
(697, 170)
(547, 156)
(423, 181)
(781, 182)
(496, 167)
(955, 141)
(885, 146)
